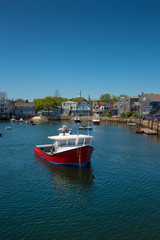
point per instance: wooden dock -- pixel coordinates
(149, 131)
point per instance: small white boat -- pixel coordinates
(21, 120)
(13, 119)
(131, 124)
(8, 128)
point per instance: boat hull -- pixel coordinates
(77, 121)
(76, 157)
(95, 123)
(140, 130)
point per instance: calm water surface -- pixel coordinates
(116, 197)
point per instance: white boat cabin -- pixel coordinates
(71, 140)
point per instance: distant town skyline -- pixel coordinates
(94, 46)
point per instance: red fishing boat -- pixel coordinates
(67, 149)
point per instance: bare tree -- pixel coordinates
(56, 93)
(3, 95)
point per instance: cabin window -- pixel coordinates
(71, 142)
(80, 141)
(62, 142)
(87, 141)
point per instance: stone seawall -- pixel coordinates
(155, 125)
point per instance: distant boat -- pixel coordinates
(8, 128)
(85, 127)
(30, 122)
(77, 120)
(95, 121)
(139, 130)
(21, 120)
(131, 124)
(13, 119)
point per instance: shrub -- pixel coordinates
(108, 115)
(136, 115)
(123, 115)
(128, 114)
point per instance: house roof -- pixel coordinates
(6, 101)
(24, 104)
(136, 103)
(154, 97)
(132, 96)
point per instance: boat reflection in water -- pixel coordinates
(66, 176)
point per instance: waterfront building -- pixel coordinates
(6, 108)
(128, 102)
(124, 103)
(120, 105)
(134, 107)
(24, 109)
(101, 107)
(69, 108)
(52, 113)
(149, 102)
(83, 108)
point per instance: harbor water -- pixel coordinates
(116, 197)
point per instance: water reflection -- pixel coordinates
(65, 176)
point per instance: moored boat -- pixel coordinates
(95, 121)
(13, 119)
(85, 127)
(21, 120)
(131, 124)
(8, 128)
(77, 120)
(67, 149)
(30, 122)
(139, 130)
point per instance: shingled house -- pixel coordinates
(149, 102)
(24, 109)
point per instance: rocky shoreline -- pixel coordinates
(153, 125)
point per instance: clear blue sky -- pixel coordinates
(96, 46)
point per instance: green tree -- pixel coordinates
(3, 95)
(136, 115)
(123, 115)
(78, 99)
(105, 97)
(49, 102)
(128, 114)
(114, 99)
(122, 95)
(19, 100)
(39, 103)
(108, 115)
(60, 100)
